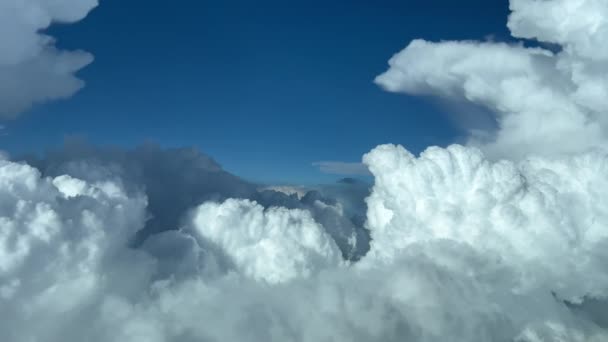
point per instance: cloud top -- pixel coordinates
(461, 247)
(538, 96)
(273, 245)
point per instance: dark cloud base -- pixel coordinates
(177, 180)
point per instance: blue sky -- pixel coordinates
(265, 87)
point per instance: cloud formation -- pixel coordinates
(174, 180)
(177, 180)
(32, 69)
(61, 245)
(274, 245)
(462, 247)
(538, 96)
(453, 246)
(544, 219)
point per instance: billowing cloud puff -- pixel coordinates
(274, 245)
(579, 26)
(336, 208)
(462, 248)
(545, 219)
(61, 245)
(174, 180)
(538, 96)
(32, 69)
(177, 180)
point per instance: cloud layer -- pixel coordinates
(462, 247)
(32, 69)
(162, 245)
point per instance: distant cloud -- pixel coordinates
(174, 180)
(288, 190)
(177, 180)
(32, 69)
(342, 168)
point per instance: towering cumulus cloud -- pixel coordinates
(465, 246)
(61, 247)
(539, 96)
(32, 69)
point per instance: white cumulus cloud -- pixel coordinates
(275, 245)
(61, 244)
(546, 219)
(462, 247)
(539, 97)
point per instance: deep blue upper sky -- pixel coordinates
(265, 87)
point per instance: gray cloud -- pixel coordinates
(176, 180)
(32, 69)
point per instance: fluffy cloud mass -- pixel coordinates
(274, 245)
(32, 69)
(158, 245)
(539, 96)
(462, 247)
(543, 219)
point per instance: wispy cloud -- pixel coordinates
(342, 168)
